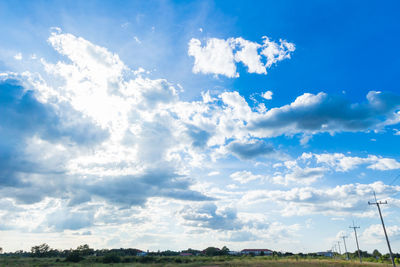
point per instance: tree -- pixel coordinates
(84, 250)
(224, 250)
(212, 251)
(74, 256)
(40, 251)
(376, 253)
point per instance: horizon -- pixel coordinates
(167, 123)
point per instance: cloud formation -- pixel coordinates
(220, 56)
(90, 133)
(326, 201)
(311, 113)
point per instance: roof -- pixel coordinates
(254, 249)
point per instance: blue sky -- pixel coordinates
(173, 124)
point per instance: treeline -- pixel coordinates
(135, 255)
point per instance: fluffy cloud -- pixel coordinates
(311, 113)
(350, 199)
(219, 56)
(267, 95)
(250, 149)
(209, 216)
(91, 130)
(374, 234)
(235, 227)
(340, 162)
(96, 130)
(216, 57)
(245, 177)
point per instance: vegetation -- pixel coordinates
(43, 255)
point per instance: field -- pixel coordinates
(191, 262)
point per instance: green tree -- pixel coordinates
(212, 251)
(224, 250)
(376, 253)
(84, 250)
(40, 251)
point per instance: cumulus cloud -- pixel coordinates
(250, 149)
(92, 130)
(267, 95)
(245, 177)
(95, 130)
(62, 220)
(209, 216)
(220, 56)
(327, 201)
(342, 163)
(18, 56)
(374, 234)
(216, 57)
(311, 113)
(234, 226)
(27, 124)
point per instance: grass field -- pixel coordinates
(195, 262)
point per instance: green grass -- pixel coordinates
(191, 262)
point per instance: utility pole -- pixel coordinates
(344, 241)
(383, 225)
(334, 245)
(355, 233)
(340, 251)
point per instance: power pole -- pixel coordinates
(344, 241)
(383, 225)
(340, 251)
(355, 233)
(334, 245)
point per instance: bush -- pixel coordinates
(111, 258)
(74, 257)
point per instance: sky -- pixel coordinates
(187, 124)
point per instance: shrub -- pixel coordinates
(111, 258)
(74, 257)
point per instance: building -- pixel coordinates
(266, 252)
(141, 253)
(185, 254)
(328, 253)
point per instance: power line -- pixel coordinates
(394, 180)
(355, 233)
(383, 225)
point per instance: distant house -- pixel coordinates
(328, 253)
(185, 254)
(141, 253)
(266, 252)
(233, 252)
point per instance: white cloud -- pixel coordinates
(213, 173)
(298, 175)
(108, 139)
(326, 201)
(215, 58)
(267, 95)
(218, 56)
(248, 55)
(276, 52)
(245, 177)
(137, 40)
(18, 56)
(341, 162)
(374, 234)
(384, 164)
